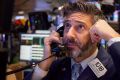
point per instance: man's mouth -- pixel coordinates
(71, 45)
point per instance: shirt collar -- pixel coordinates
(85, 62)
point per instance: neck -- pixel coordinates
(86, 54)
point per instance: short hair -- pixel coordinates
(83, 7)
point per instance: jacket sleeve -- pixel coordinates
(52, 71)
(114, 51)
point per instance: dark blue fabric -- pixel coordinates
(61, 69)
(114, 51)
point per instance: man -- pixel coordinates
(83, 28)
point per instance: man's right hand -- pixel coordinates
(54, 37)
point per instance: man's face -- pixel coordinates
(76, 34)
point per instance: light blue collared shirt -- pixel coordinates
(85, 62)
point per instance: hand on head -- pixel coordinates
(102, 30)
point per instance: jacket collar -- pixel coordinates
(106, 60)
(87, 74)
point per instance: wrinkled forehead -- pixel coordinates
(81, 17)
(78, 16)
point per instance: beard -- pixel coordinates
(80, 50)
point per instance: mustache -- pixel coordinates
(67, 41)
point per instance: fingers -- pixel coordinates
(94, 34)
(54, 34)
(54, 37)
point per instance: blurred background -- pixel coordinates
(26, 16)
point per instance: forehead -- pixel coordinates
(81, 17)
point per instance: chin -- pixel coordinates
(76, 54)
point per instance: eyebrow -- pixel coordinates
(72, 20)
(66, 21)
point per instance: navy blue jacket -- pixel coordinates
(61, 69)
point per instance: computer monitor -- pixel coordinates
(32, 46)
(39, 20)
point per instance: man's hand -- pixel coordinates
(102, 30)
(54, 37)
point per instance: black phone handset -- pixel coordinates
(56, 48)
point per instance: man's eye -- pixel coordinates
(67, 25)
(80, 26)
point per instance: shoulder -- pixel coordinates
(55, 70)
(114, 51)
(61, 61)
(115, 47)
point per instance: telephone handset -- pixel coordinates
(60, 31)
(56, 48)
